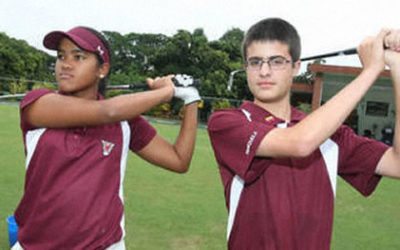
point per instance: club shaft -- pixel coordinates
(350, 51)
(127, 86)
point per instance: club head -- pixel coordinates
(231, 77)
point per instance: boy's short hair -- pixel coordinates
(273, 29)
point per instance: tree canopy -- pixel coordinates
(138, 56)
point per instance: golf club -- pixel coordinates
(350, 51)
(179, 80)
(345, 52)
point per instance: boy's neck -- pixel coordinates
(280, 109)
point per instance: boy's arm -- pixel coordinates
(389, 165)
(306, 136)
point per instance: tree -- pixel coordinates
(137, 56)
(18, 60)
(231, 43)
(132, 55)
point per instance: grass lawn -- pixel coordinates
(171, 211)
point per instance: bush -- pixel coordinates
(305, 107)
(161, 111)
(46, 85)
(221, 104)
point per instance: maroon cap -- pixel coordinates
(82, 37)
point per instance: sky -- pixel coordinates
(324, 26)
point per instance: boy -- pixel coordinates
(279, 166)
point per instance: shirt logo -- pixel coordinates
(269, 118)
(107, 147)
(247, 114)
(250, 142)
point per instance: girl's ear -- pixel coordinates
(104, 69)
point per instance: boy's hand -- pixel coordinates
(371, 52)
(392, 54)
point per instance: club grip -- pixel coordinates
(351, 51)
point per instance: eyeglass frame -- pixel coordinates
(267, 60)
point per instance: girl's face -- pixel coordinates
(77, 71)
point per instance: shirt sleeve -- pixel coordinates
(358, 159)
(30, 98)
(141, 133)
(235, 140)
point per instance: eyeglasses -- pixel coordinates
(274, 63)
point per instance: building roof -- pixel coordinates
(340, 70)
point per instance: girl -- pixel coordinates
(76, 145)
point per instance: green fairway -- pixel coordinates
(171, 211)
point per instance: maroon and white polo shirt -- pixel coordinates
(73, 197)
(285, 203)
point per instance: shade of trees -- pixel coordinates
(136, 56)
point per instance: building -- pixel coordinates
(374, 113)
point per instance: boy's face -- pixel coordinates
(270, 82)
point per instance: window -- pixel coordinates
(377, 109)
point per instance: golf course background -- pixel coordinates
(164, 210)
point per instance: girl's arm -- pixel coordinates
(60, 111)
(174, 156)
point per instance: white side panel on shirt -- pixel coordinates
(126, 136)
(234, 197)
(330, 152)
(31, 140)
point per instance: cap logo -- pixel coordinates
(100, 50)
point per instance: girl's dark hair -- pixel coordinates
(273, 29)
(103, 82)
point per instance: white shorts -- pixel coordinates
(117, 246)
(120, 245)
(17, 246)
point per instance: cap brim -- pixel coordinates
(52, 40)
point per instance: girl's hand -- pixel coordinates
(164, 83)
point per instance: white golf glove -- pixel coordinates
(187, 94)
